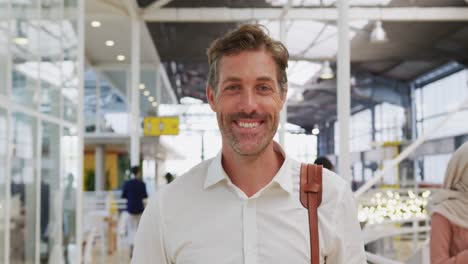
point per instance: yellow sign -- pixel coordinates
(156, 126)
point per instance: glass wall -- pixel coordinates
(39, 155)
(389, 121)
(24, 175)
(435, 100)
(106, 105)
(50, 202)
(69, 185)
(361, 131)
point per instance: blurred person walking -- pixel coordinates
(325, 162)
(134, 190)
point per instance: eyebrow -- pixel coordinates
(231, 79)
(265, 78)
(237, 79)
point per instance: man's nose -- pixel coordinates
(248, 101)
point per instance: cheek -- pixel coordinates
(278, 103)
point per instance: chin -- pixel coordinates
(250, 149)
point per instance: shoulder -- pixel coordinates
(333, 186)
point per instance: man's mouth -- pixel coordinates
(244, 124)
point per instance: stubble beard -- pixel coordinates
(235, 141)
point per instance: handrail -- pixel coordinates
(380, 260)
(392, 232)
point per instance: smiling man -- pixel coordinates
(243, 205)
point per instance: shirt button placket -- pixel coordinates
(250, 231)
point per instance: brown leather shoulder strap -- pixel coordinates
(311, 197)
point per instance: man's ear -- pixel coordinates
(284, 93)
(210, 96)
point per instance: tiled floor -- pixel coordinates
(122, 257)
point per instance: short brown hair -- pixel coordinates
(247, 37)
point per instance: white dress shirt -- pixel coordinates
(202, 217)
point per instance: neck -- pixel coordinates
(251, 173)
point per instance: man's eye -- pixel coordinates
(264, 88)
(231, 87)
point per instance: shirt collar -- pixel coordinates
(283, 178)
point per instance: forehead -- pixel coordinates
(247, 65)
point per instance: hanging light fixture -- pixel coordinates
(326, 72)
(20, 38)
(378, 34)
(315, 130)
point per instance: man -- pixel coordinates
(134, 190)
(243, 205)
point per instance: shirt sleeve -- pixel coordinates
(149, 240)
(441, 235)
(349, 246)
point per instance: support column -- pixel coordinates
(97, 122)
(100, 168)
(414, 132)
(158, 87)
(135, 95)
(81, 127)
(343, 89)
(373, 129)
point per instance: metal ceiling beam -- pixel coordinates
(155, 6)
(167, 84)
(204, 14)
(132, 8)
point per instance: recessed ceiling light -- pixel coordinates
(154, 104)
(142, 86)
(95, 24)
(151, 98)
(146, 93)
(109, 43)
(120, 57)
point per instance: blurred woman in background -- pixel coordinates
(449, 209)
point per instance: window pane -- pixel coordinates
(434, 168)
(25, 74)
(23, 189)
(50, 191)
(438, 99)
(50, 67)
(69, 70)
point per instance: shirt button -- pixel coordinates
(251, 203)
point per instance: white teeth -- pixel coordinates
(248, 125)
